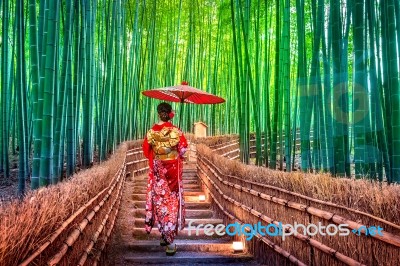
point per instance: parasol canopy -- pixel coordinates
(183, 93)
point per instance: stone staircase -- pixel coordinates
(133, 246)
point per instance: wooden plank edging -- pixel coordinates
(327, 250)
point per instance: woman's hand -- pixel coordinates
(182, 152)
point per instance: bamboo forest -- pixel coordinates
(322, 74)
(124, 122)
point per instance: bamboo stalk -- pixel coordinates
(20, 91)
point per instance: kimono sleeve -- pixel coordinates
(146, 148)
(182, 146)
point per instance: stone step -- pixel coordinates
(194, 198)
(140, 234)
(191, 186)
(186, 257)
(189, 174)
(188, 205)
(136, 247)
(190, 213)
(139, 222)
(190, 165)
(190, 169)
(187, 196)
(190, 177)
(190, 181)
(209, 245)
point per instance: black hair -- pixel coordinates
(163, 110)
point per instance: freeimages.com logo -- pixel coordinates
(282, 230)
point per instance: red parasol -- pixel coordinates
(183, 93)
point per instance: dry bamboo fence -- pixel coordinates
(228, 145)
(70, 223)
(249, 202)
(136, 163)
(218, 141)
(79, 239)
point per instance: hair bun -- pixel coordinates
(164, 109)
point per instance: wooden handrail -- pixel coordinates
(134, 153)
(66, 223)
(300, 195)
(137, 161)
(327, 250)
(74, 235)
(100, 229)
(229, 152)
(229, 145)
(103, 244)
(272, 245)
(108, 199)
(328, 216)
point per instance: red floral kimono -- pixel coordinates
(164, 199)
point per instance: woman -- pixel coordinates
(164, 146)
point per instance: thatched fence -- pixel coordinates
(249, 194)
(69, 223)
(228, 145)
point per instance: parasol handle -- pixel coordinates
(180, 113)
